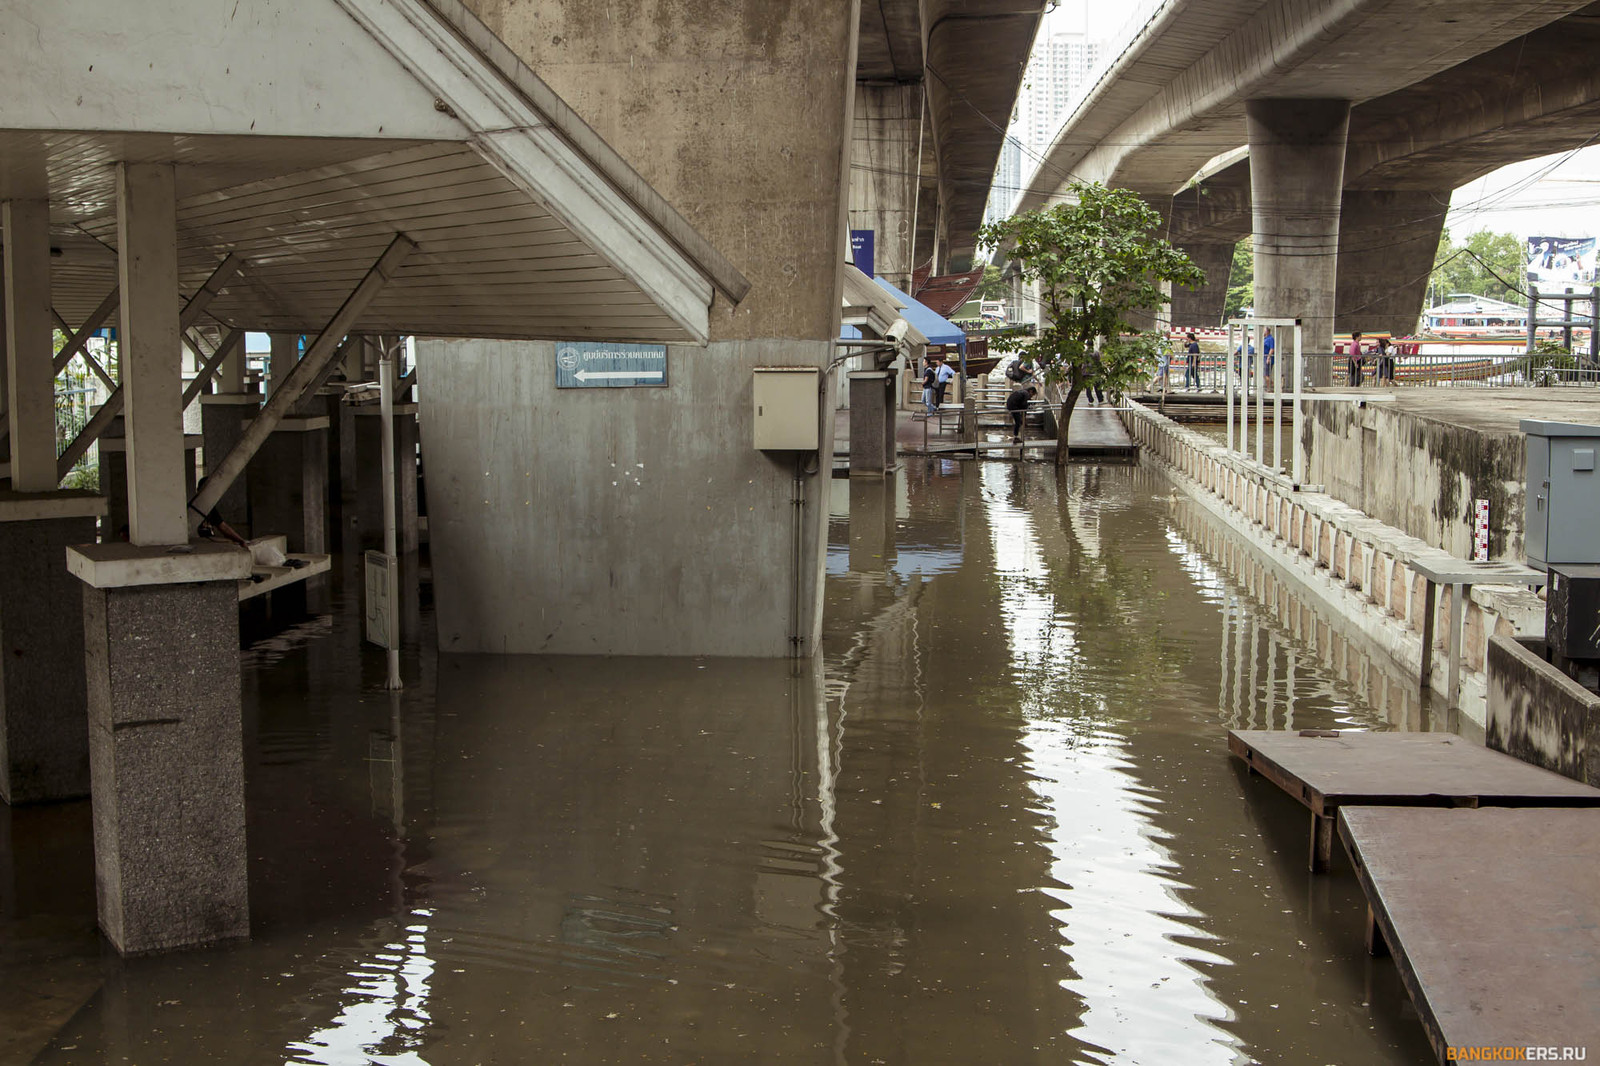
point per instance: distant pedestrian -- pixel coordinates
(1357, 360)
(1269, 347)
(1191, 362)
(929, 381)
(1163, 366)
(1017, 408)
(942, 377)
(1385, 361)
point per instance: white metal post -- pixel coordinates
(1299, 380)
(386, 413)
(1277, 405)
(1261, 394)
(1227, 383)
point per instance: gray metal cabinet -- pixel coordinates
(1562, 511)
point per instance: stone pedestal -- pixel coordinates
(114, 477)
(288, 484)
(369, 480)
(872, 415)
(328, 403)
(44, 742)
(223, 417)
(161, 644)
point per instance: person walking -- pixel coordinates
(1163, 366)
(1269, 346)
(1385, 361)
(1191, 363)
(929, 381)
(1017, 408)
(942, 377)
(1357, 361)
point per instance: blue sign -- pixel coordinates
(861, 250)
(601, 365)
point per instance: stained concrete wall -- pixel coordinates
(739, 115)
(1541, 715)
(886, 149)
(1418, 474)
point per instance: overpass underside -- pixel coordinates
(1359, 121)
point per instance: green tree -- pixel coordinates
(1241, 279)
(1100, 266)
(1482, 265)
(993, 286)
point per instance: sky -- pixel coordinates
(1556, 196)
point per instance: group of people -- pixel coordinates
(1383, 361)
(936, 377)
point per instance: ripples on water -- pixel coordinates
(993, 823)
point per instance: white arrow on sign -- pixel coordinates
(598, 375)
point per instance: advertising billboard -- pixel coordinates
(1558, 261)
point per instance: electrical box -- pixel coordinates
(1572, 612)
(787, 406)
(1561, 510)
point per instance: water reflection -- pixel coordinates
(993, 823)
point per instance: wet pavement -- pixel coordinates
(994, 822)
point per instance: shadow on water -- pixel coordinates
(994, 821)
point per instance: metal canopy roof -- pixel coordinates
(305, 136)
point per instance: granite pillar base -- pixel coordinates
(165, 746)
(872, 416)
(288, 484)
(223, 417)
(369, 480)
(44, 740)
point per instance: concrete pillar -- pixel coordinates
(30, 379)
(114, 476)
(229, 378)
(1202, 306)
(285, 354)
(223, 416)
(872, 531)
(885, 154)
(44, 740)
(516, 466)
(1297, 152)
(152, 381)
(161, 637)
(1387, 242)
(288, 481)
(872, 419)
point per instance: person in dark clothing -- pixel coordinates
(1017, 408)
(1357, 360)
(1191, 362)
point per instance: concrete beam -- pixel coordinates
(30, 381)
(885, 147)
(1204, 304)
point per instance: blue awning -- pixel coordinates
(934, 326)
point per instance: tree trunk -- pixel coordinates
(1064, 422)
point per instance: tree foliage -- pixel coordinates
(1472, 266)
(1241, 280)
(1100, 266)
(993, 286)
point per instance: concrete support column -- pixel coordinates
(161, 638)
(44, 740)
(1202, 306)
(367, 444)
(30, 379)
(885, 150)
(1387, 242)
(229, 378)
(288, 481)
(872, 418)
(285, 354)
(152, 381)
(1297, 150)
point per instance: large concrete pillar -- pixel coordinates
(644, 520)
(1388, 239)
(367, 447)
(1202, 306)
(161, 640)
(284, 355)
(885, 155)
(288, 479)
(1296, 177)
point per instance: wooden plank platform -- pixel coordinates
(1326, 770)
(1492, 917)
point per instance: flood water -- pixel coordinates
(994, 821)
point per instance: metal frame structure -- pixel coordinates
(1251, 329)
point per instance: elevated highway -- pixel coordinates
(1369, 111)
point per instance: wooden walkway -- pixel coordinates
(1327, 770)
(1493, 919)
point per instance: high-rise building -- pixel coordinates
(1058, 77)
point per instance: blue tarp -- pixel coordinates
(932, 325)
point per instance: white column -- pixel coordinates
(230, 376)
(285, 354)
(30, 380)
(147, 242)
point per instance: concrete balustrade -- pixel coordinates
(1358, 565)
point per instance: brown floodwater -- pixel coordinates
(994, 821)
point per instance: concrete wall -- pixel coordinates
(1541, 715)
(886, 150)
(739, 115)
(1420, 475)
